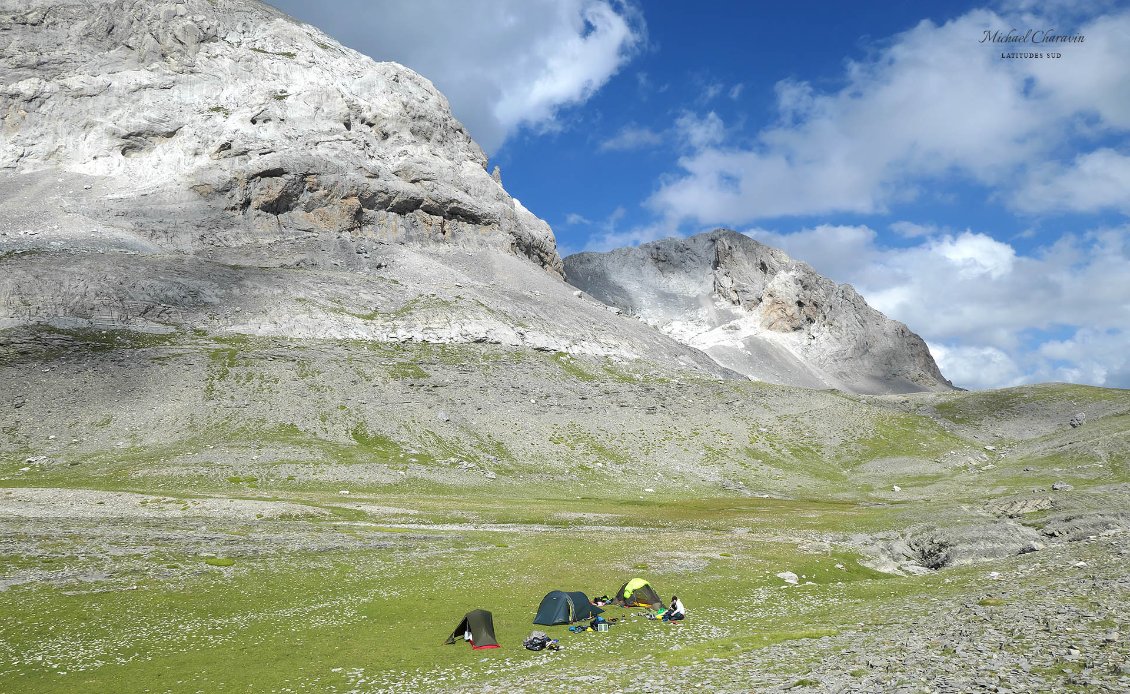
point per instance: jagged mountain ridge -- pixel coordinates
(759, 312)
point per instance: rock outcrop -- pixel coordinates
(243, 127)
(216, 166)
(757, 311)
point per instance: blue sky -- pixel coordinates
(980, 199)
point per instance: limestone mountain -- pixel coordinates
(759, 312)
(268, 123)
(216, 165)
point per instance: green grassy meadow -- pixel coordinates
(300, 621)
(245, 514)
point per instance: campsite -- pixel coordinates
(362, 598)
(346, 352)
(238, 552)
(263, 540)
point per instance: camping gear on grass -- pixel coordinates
(561, 607)
(637, 593)
(536, 641)
(477, 628)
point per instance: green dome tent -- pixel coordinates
(560, 607)
(637, 593)
(479, 626)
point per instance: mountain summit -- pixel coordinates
(217, 166)
(236, 122)
(757, 311)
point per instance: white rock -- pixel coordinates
(788, 577)
(728, 295)
(278, 148)
(184, 113)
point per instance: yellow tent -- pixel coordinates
(637, 593)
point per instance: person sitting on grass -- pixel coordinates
(676, 611)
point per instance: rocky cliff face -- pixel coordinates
(760, 313)
(213, 165)
(243, 127)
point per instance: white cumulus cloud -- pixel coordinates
(1089, 356)
(975, 254)
(993, 317)
(931, 104)
(503, 64)
(1094, 182)
(700, 131)
(976, 367)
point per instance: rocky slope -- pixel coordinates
(215, 165)
(408, 464)
(759, 312)
(244, 126)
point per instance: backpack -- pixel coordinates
(536, 641)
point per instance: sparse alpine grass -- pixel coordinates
(604, 471)
(386, 612)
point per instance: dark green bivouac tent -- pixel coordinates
(637, 593)
(561, 607)
(479, 624)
